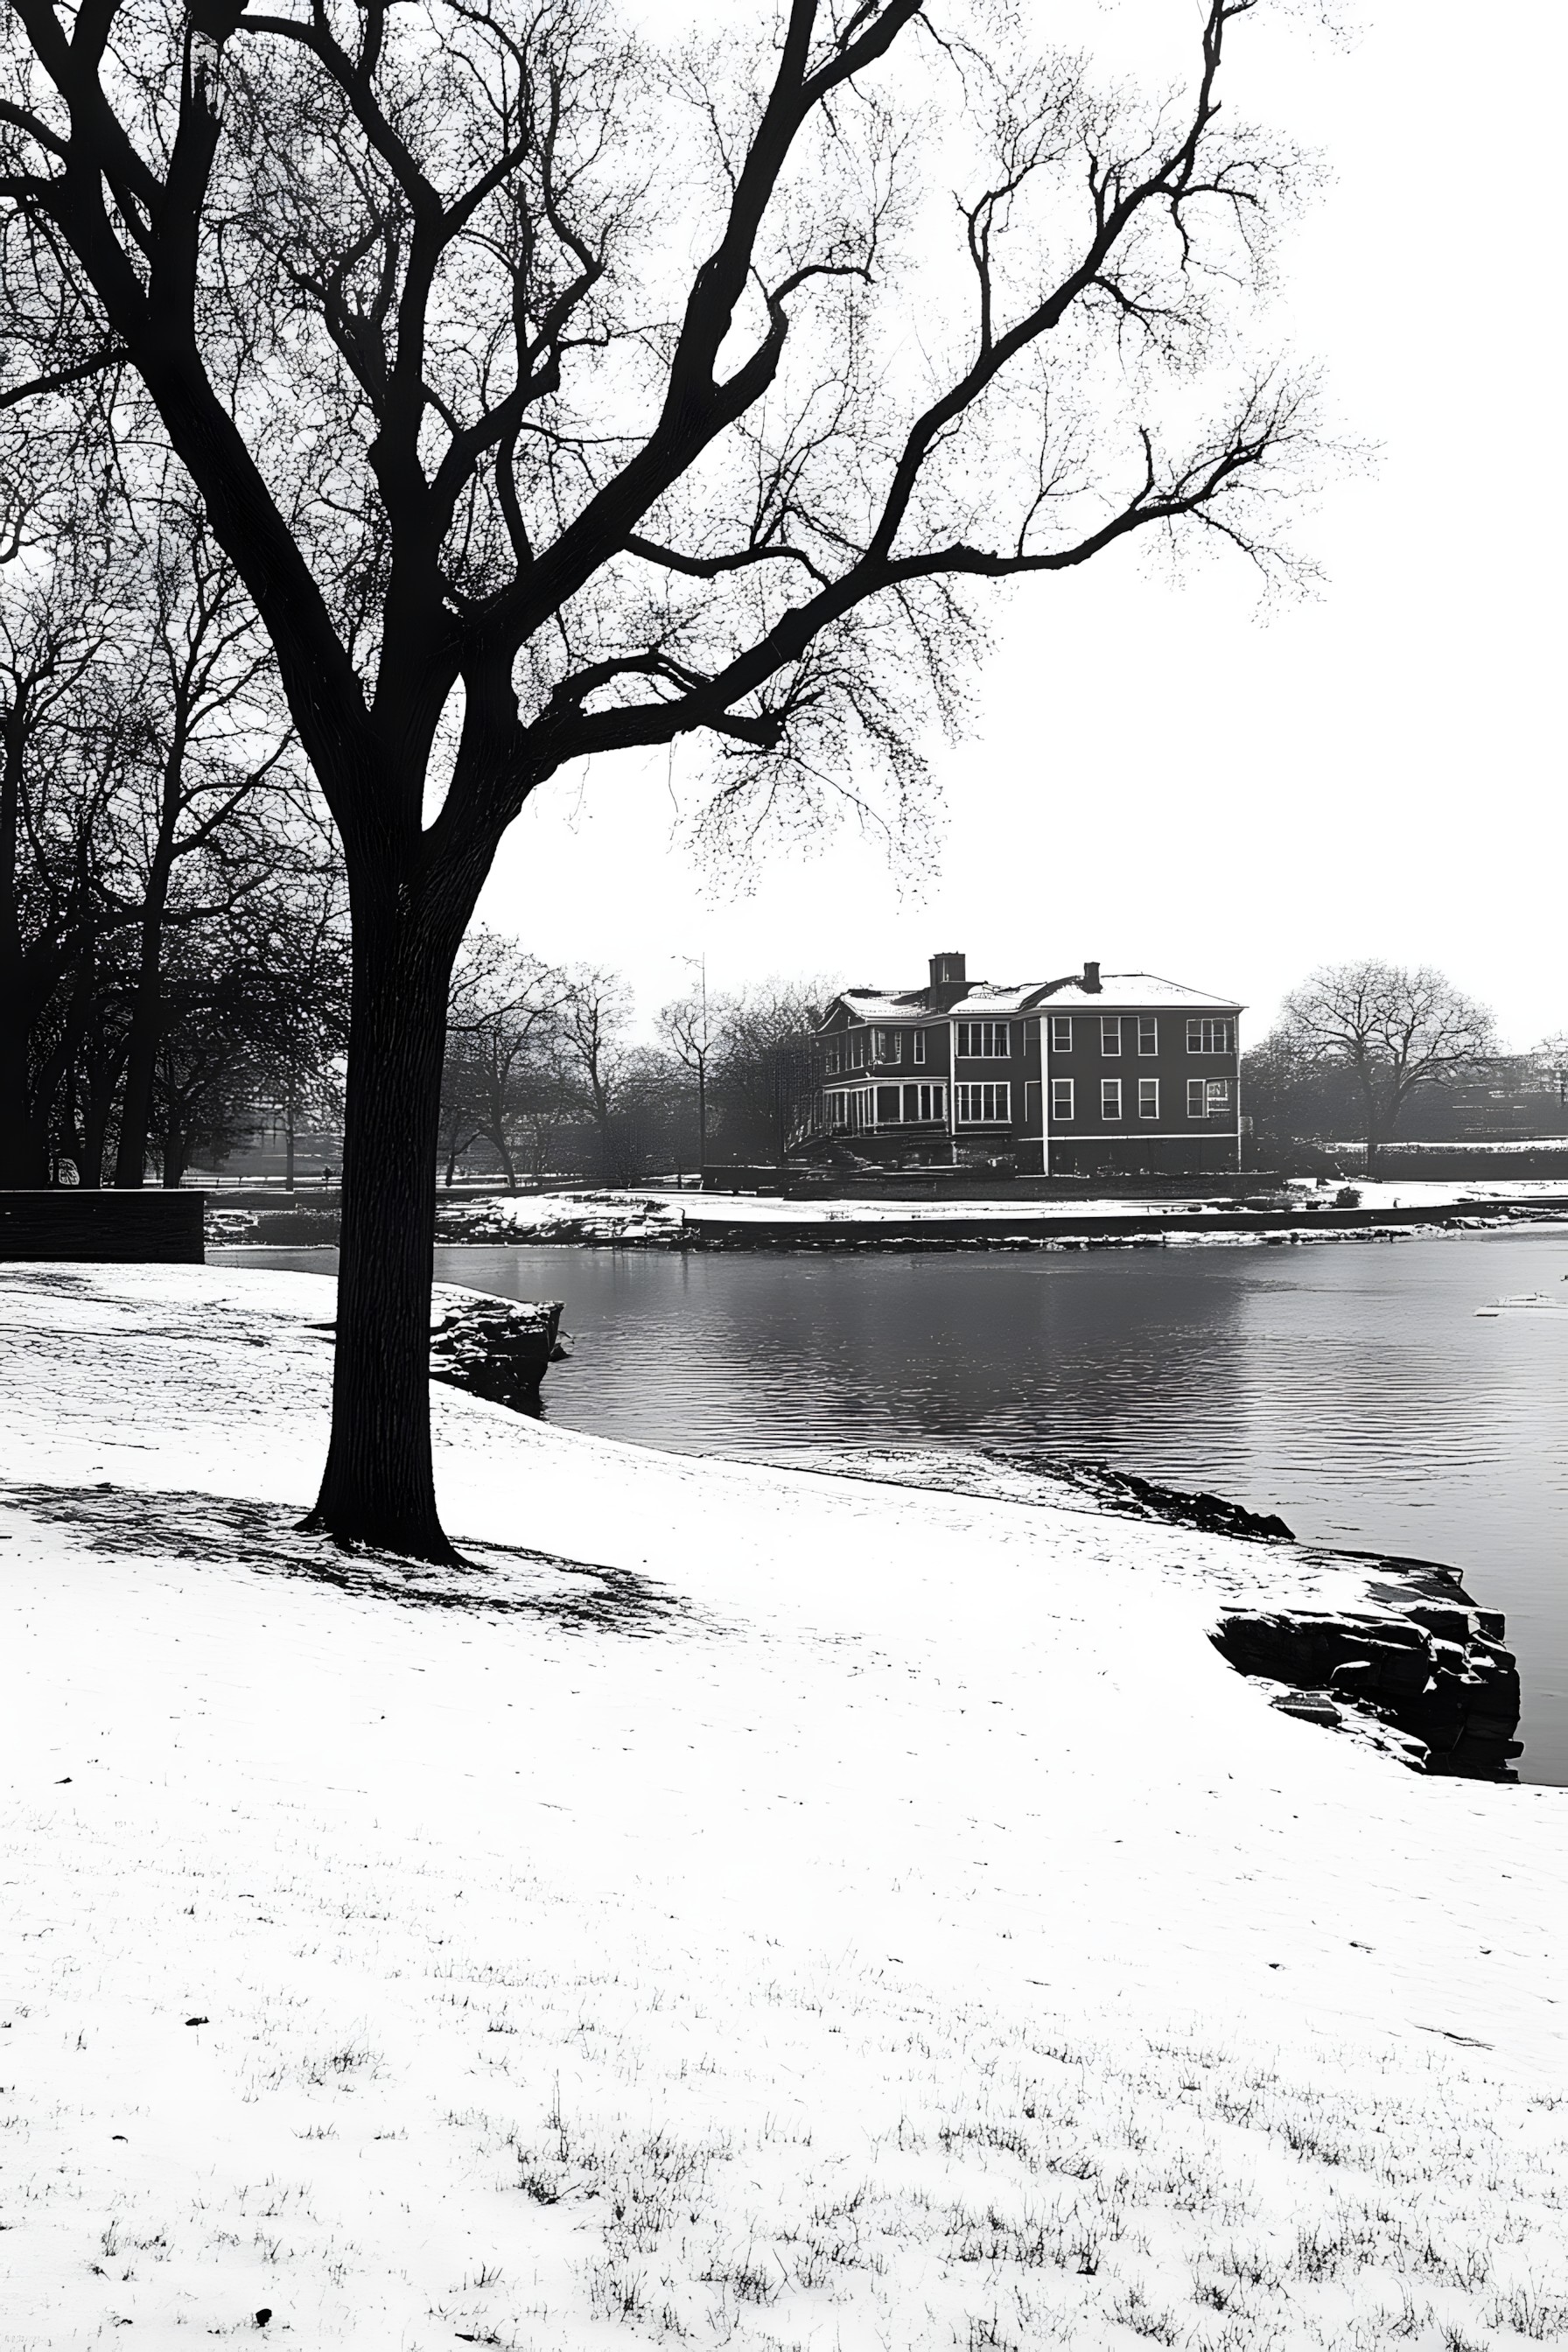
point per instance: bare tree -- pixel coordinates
(593, 1018)
(1395, 1031)
(512, 483)
(59, 764)
(502, 1034)
(691, 1029)
(766, 1028)
(216, 795)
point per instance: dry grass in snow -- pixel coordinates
(746, 1909)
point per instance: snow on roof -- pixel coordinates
(1139, 992)
(1120, 992)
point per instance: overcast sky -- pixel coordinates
(1157, 779)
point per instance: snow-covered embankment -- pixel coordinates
(766, 1910)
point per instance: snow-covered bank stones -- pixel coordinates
(1392, 1650)
(747, 1907)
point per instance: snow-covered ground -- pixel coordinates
(768, 1910)
(636, 1217)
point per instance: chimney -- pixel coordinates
(1091, 980)
(947, 980)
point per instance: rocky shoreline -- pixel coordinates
(1390, 1651)
(1422, 1659)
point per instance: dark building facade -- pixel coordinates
(1120, 1074)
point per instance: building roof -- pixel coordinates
(1120, 992)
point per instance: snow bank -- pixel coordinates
(748, 1908)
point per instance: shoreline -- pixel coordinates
(631, 1220)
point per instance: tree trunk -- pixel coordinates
(19, 1162)
(379, 1485)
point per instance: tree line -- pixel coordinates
(541, 1073)
(174, 941)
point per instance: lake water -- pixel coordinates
(1349, 1386)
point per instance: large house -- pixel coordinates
(1118, 1073)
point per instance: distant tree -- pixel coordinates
(595, 1016)
(503, 1046)
(554, 394)
(763, 1028)
(61, 762)
(1393, 1029)
(252, 1012)
(1549, 1064)
(691, 1031)
(215, 800)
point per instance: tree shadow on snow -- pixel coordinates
(498, 1579)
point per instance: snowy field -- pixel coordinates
(632, 1216)
(749, 1908)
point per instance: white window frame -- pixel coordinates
(887, 1045)
(993, 1029)
(1217, 1095)
(1110, 1035)
(1061, 1090)
(997, 1031)
(1195, 1098)
(1147, 1022)
(1149, 1098)
(917, 1057)
(1000, 1089)
(931, 1102)
(856, 1058)
(832, 1061)
(1206, 1035)
(1111, 1093)
(1061, 1032)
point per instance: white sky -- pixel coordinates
(1154, 778)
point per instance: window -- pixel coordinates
(1061, 1097)
(856, 1059)
(1110, 1098)
(1061, 1035)
(1211, 1036)
(1148, 1097)
(1195, 1097)
(887, 1045)
(1148, 1033)
(1218, 1095)
(983, 1041)
(887, 1106)
(832, 1064)
(925, 1102)
(1110, 1034)
(984, 1106)
(917, 1057)
(845, 1108)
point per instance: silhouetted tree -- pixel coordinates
(511, 483)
